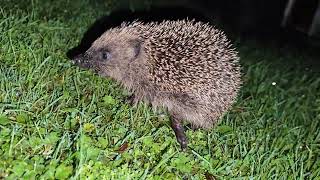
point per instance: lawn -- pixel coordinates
(58, 121)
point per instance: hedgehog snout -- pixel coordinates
(82, 61)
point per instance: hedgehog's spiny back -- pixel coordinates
(187, 56)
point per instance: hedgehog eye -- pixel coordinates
(105, 55)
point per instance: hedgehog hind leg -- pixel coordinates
(177, 126)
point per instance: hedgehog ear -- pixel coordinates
(136, 44)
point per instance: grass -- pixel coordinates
(58, 121)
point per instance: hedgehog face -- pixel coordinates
(110, 55)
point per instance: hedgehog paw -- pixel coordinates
(179, 132)
(183, 142)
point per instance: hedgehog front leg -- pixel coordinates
(130, 99)
(178, 129)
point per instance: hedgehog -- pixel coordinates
(188, 68)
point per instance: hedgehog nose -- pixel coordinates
(81, 61)
(77, 60)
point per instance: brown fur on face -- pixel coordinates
(111, 55)
(186, 67)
